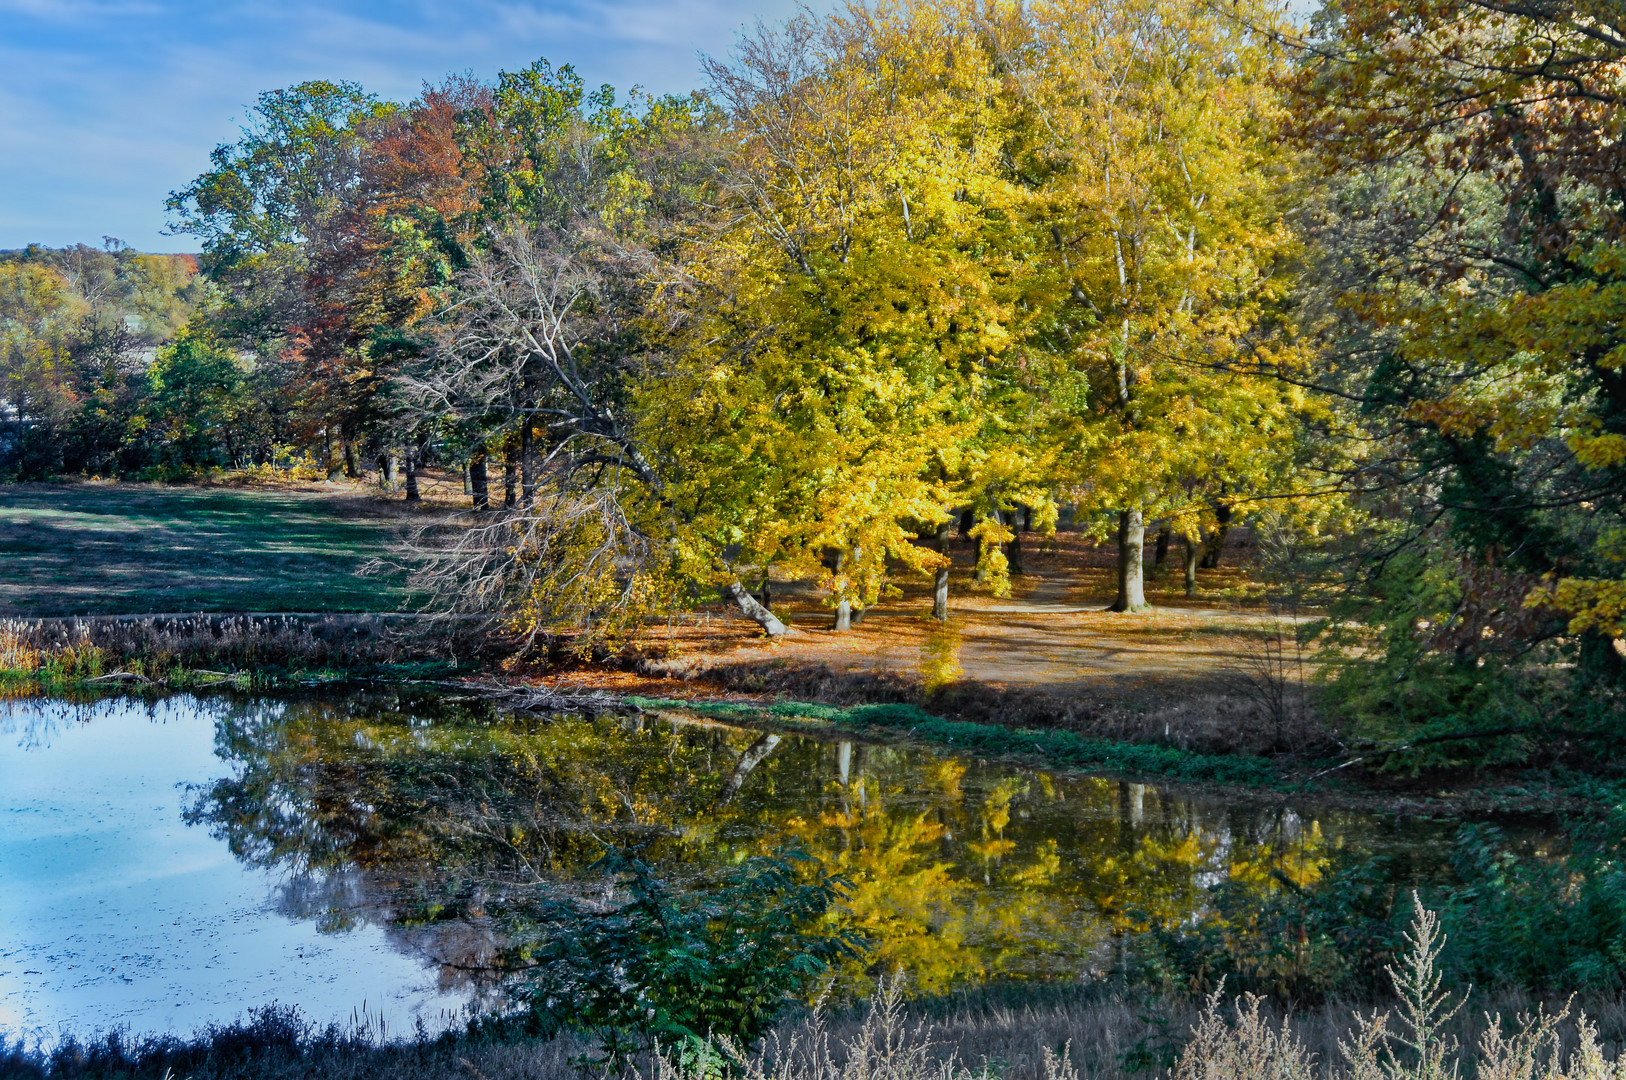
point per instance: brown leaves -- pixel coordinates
(1499, 611)
(1529, 92)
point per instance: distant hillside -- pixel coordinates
(152, 295)
(87, 382)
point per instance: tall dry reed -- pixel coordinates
(1418, 1038)
(148, 646)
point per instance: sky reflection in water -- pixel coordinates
(115, 912)
(172, 866)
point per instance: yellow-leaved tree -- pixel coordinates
(825, 393)
(1150, 132)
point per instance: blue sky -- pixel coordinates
(108, 105)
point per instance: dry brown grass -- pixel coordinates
(1114, 1037)
(148, 647)
(1006, 1033)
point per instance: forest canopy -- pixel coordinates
(902, 268)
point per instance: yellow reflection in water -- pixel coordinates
(959, 871)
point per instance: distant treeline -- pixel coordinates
(99, 376)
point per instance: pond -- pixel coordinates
(166, 865)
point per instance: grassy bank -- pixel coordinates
(116, 548)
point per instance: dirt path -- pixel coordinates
(1052, 634)
(1049, 655)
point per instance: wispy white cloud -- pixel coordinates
(107, 105)
(70, 11)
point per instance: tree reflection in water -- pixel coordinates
(446, 822)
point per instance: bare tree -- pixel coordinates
(534, 342)
(530, 344)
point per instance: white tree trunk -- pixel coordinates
(1131, 550)
(754, 611)
(940, 586)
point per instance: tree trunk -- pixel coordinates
(335, 461)
(350, 468)
(527, 463)
(387, 468)
(967, 520)
(1131, 547)
(754, 611)
(412, 494)
(1192, 554)
(1013, 550)
(1164, 535)
(1216, 543)
(844, 607)
(479, 483)
(765, 595)
(940, 586)
(510, 470)
(754, 755)
(978, 575)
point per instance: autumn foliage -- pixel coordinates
(1145, 265)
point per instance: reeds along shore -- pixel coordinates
(1013, 1033)
(140, 648)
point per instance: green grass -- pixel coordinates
(115, 549)
(1057, 747)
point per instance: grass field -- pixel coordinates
(99, 548)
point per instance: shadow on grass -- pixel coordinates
(128, 548)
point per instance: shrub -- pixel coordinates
(17, 651)
(1413, 1046)
(681, 969)
(886, 1046)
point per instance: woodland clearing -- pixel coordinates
(1048, 655)
(1054, 631)
(107, 548)
(1219, 671)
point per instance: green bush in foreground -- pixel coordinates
(680, 969)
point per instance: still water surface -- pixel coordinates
(168, 865)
